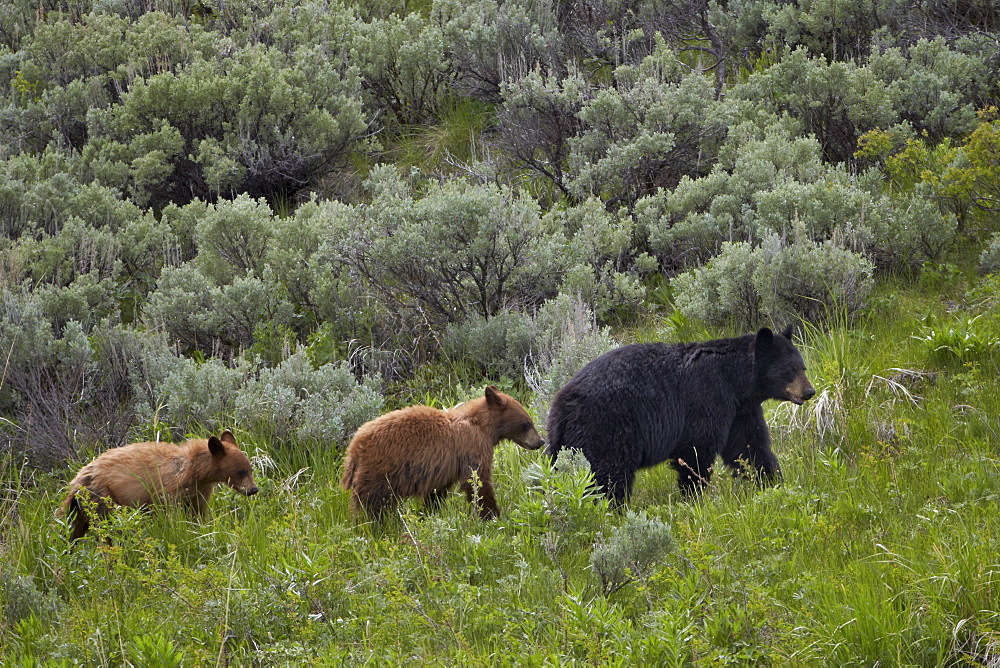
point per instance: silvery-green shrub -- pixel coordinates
(489, 43)
(75, 250)
(232, 238)
(989, 259)
(937, 87)
(498, 346)
(66, 382)
(630, 551)
(403, 67)
(455, 250)
(190, 396)
(833, 207)
(240, 307)
(182, 306)
(254, 119)
(88, 300)
(200, 315)
(537, 119)
(688, 225)
(645, 132)
(291, 401)
(567, 338)
(910, 231)
(854, 99)
(22, 598)
(147, 246)
(600, 258)
(293, 253)
(294, 400)
(775, 281)
(47, 378)
(810, 281)
(722, 290)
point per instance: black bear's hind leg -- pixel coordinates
(616, 484)
(693, 471)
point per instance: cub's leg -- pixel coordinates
(78, 520)
(483, 496)
(372, 497)
(435, 498)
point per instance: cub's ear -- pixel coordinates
(764, 338)
(789, 331)
(215, 446)
(228, 437)
(493, 398)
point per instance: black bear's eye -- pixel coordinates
(242, 474)
(526, 426)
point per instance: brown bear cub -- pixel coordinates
(423, 451)
(141, 474)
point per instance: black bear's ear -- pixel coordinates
(493, 398)
(228, 437)
(764, 337)
(215, 446)
(788, 332)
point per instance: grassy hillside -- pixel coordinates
(287, 217)
(880, 546)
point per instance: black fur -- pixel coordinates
(643, 404)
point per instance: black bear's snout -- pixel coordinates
(808, 394)
(253, 490)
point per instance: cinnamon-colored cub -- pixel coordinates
(423, 451)
(141, 474)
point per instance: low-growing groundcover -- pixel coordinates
(879, 547)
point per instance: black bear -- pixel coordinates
(645, 403)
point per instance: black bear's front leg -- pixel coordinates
(748, 447)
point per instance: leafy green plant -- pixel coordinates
(564, 498)
(154, 650)
(941, 276)
(958, 339)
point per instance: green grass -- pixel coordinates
(881, 546)
(453, 138)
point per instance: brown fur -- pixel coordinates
(141, 474)
(422, 451)
(800, 390)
